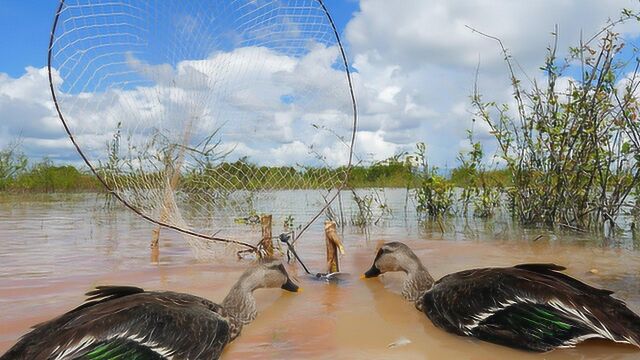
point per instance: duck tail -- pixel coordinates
(631, 323)
(607, 318)
(615, 321)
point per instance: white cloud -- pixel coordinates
(434, 32)
(417, 61)
(27, 116)
(270, 107)
(415, 67)
(374, 145)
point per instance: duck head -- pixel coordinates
(240, 305)
(269, 274)
(393, 256)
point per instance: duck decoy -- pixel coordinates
(123, 322)
(529, 306)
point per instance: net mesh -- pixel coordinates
(195, 113)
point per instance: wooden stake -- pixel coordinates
(155, 237)
(267, 241)
(155, 254)
(334, 245)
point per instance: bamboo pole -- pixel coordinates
(267, 237)
(334, 245)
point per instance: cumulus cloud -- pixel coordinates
(27, 116)
(272, 108)
(435, 32)
(418, 61)
(414, 67)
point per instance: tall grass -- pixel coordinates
(482, 189)
(433, 193)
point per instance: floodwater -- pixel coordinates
(55, 248)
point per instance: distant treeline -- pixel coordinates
(17, 174)
(390, 173)
(45, 177)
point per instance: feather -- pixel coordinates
(120, 349)
(105, 293)
(528, 306)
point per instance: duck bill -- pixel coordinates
(290, 286)
(373, 272)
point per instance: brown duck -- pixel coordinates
(121, 322)
(530, 306)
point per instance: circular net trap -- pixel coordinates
(201, 115)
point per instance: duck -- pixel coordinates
(126, 322)
(532, 307)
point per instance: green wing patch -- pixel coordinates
(530, 326)
(120, 349)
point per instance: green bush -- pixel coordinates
(12, 164)
(46, 177)
(572, 152)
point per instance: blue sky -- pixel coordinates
(27, 24)
(415, 68)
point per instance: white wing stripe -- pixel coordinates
(88, 340)
(478, 318)
(83, 343)
(581, 314)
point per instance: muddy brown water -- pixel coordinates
(53, 249)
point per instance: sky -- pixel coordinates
(414, 66)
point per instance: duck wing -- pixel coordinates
(120, 322)
(529, 306)
(116, 349)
